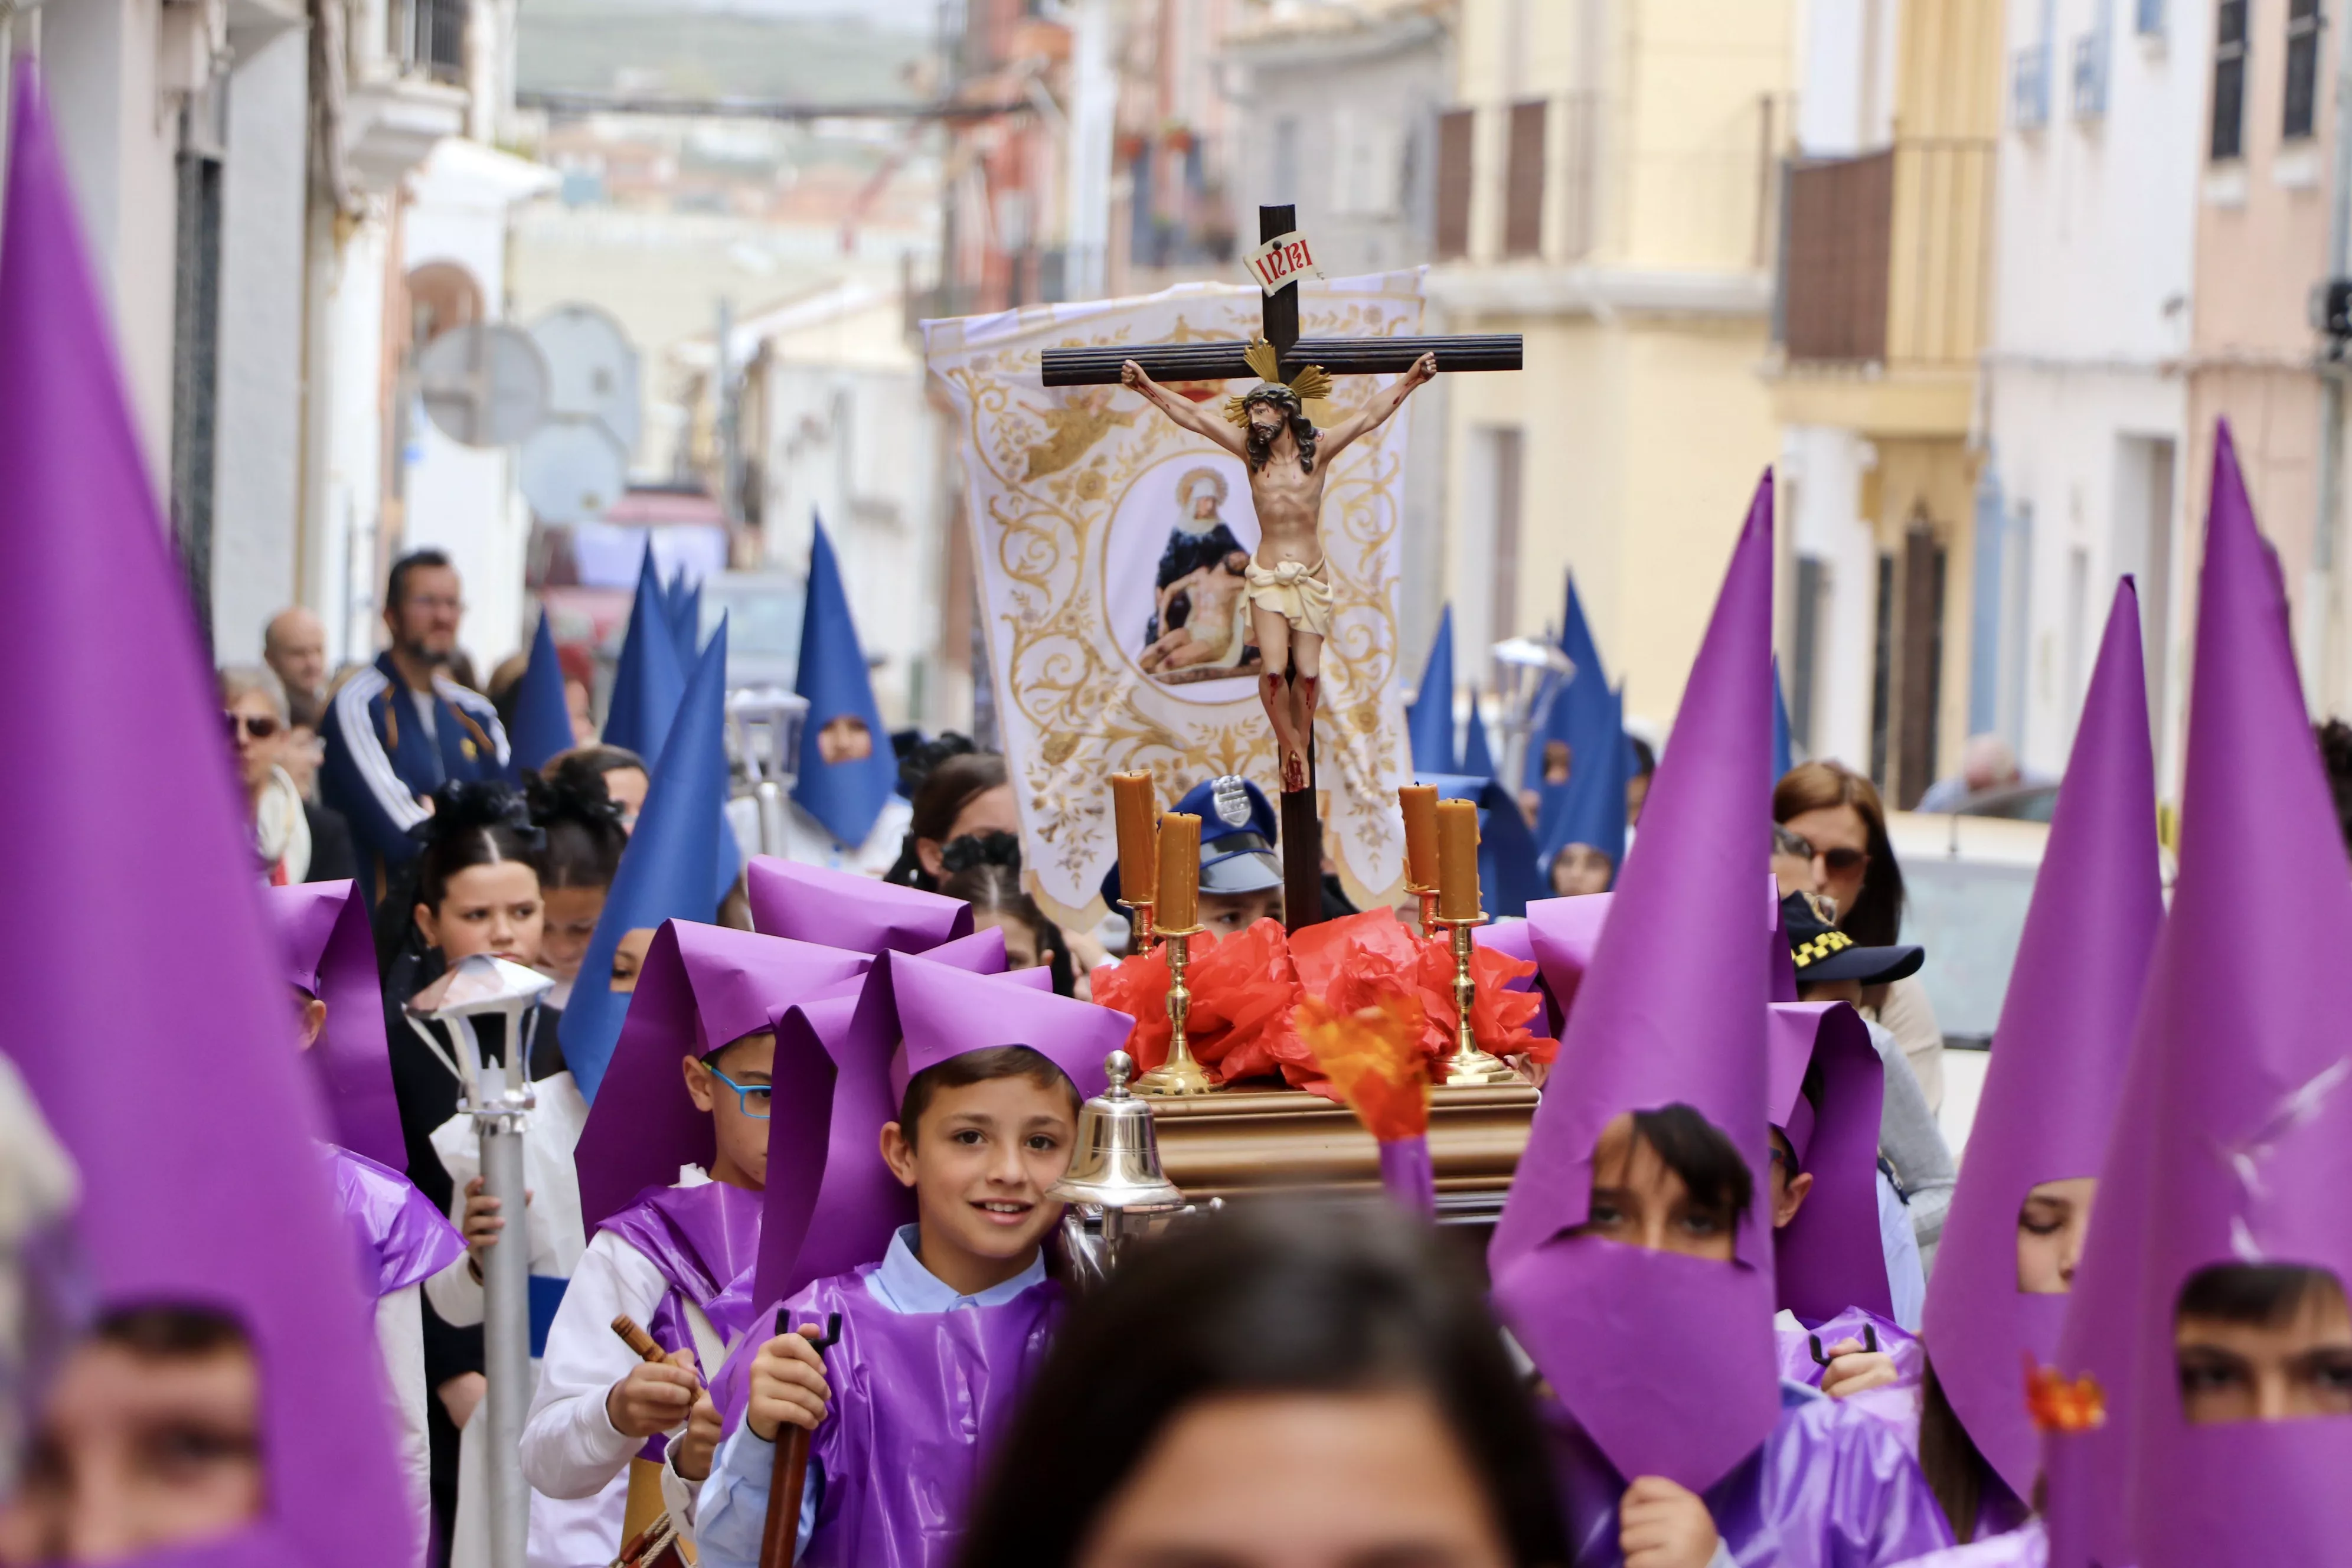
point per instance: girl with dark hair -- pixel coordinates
(1838, 813)
(966, 793)
(473, 888)
(985, 870)
(585, 835)
(1342, 1349)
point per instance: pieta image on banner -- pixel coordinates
(1110, 547)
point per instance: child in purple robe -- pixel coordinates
(1632, 1262)
(941, 1332)
(401, 1238)
(671, 1163)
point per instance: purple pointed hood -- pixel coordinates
(701, 989)
(1667, 1362)
(147, 1001)
(330, 954)
(842, 908)
(1829, 1257)
(953, 999)
(2058, 1063)
(1562, 935)
(2234, 1139)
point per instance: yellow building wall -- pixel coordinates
(1643, 444)
(1643, 433)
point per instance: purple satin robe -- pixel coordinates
(702, 1238)
(1897, 1402)
(1831, 1488)
(401, 1238)
(917, 1397)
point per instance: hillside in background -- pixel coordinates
(679, 48)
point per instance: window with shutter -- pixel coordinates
(2229, 81)
(2302, 68)
(1453, 132)
(1523, 190)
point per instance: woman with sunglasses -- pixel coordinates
(298, 841)
(1838, 814)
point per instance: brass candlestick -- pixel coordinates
(1428, 896)
(1180, 1074)
(1140, 911)
(1469, 1063)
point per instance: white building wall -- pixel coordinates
(343, 363)
(118, 135)
(2096, 249)
(257, 501)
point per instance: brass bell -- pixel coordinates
(1117, 1167)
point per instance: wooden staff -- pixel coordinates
(657, 1544)
(789, 1479)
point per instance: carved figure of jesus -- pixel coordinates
(1290, 598)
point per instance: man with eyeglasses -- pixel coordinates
(399, 729)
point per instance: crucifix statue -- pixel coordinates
(1289, 598)
(1269, 429)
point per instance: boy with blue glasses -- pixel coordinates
(671, 1165)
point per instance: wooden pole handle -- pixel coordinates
(789, 1479)
(637, 1339)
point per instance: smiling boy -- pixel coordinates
(940, 1336)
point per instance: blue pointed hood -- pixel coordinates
(1478, 756)
(665, 872)
(682, 602)
(543, 716)
(1429, 717)
(650, 679)
(845, 796)
(1589, 717)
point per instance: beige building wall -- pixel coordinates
(2261, 243)
(1642, 426)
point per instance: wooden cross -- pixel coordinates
(1302, 831)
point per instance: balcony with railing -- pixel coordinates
(1836, 255)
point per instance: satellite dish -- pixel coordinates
(484, 384)
(573, 470)
(592, 369)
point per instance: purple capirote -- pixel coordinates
(331, 955)
(702, 988)
(148, 1010)
(2059, 1051)
(2233, 1142)
(1829, 1257)
(1668, 1361)
(842, 908)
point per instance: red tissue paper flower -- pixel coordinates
(1243, 988)
(1351, 964)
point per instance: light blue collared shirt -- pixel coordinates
(732, 1512)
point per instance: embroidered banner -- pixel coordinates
(1111, 546)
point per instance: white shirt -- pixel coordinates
(807, 841)
(733, 1510)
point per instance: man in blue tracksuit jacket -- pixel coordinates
(399, 729)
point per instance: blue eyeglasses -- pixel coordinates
(751, 1098)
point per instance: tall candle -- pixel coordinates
(1132, 810)
(1457, 860)
(1420, 804)
(1180, 872)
